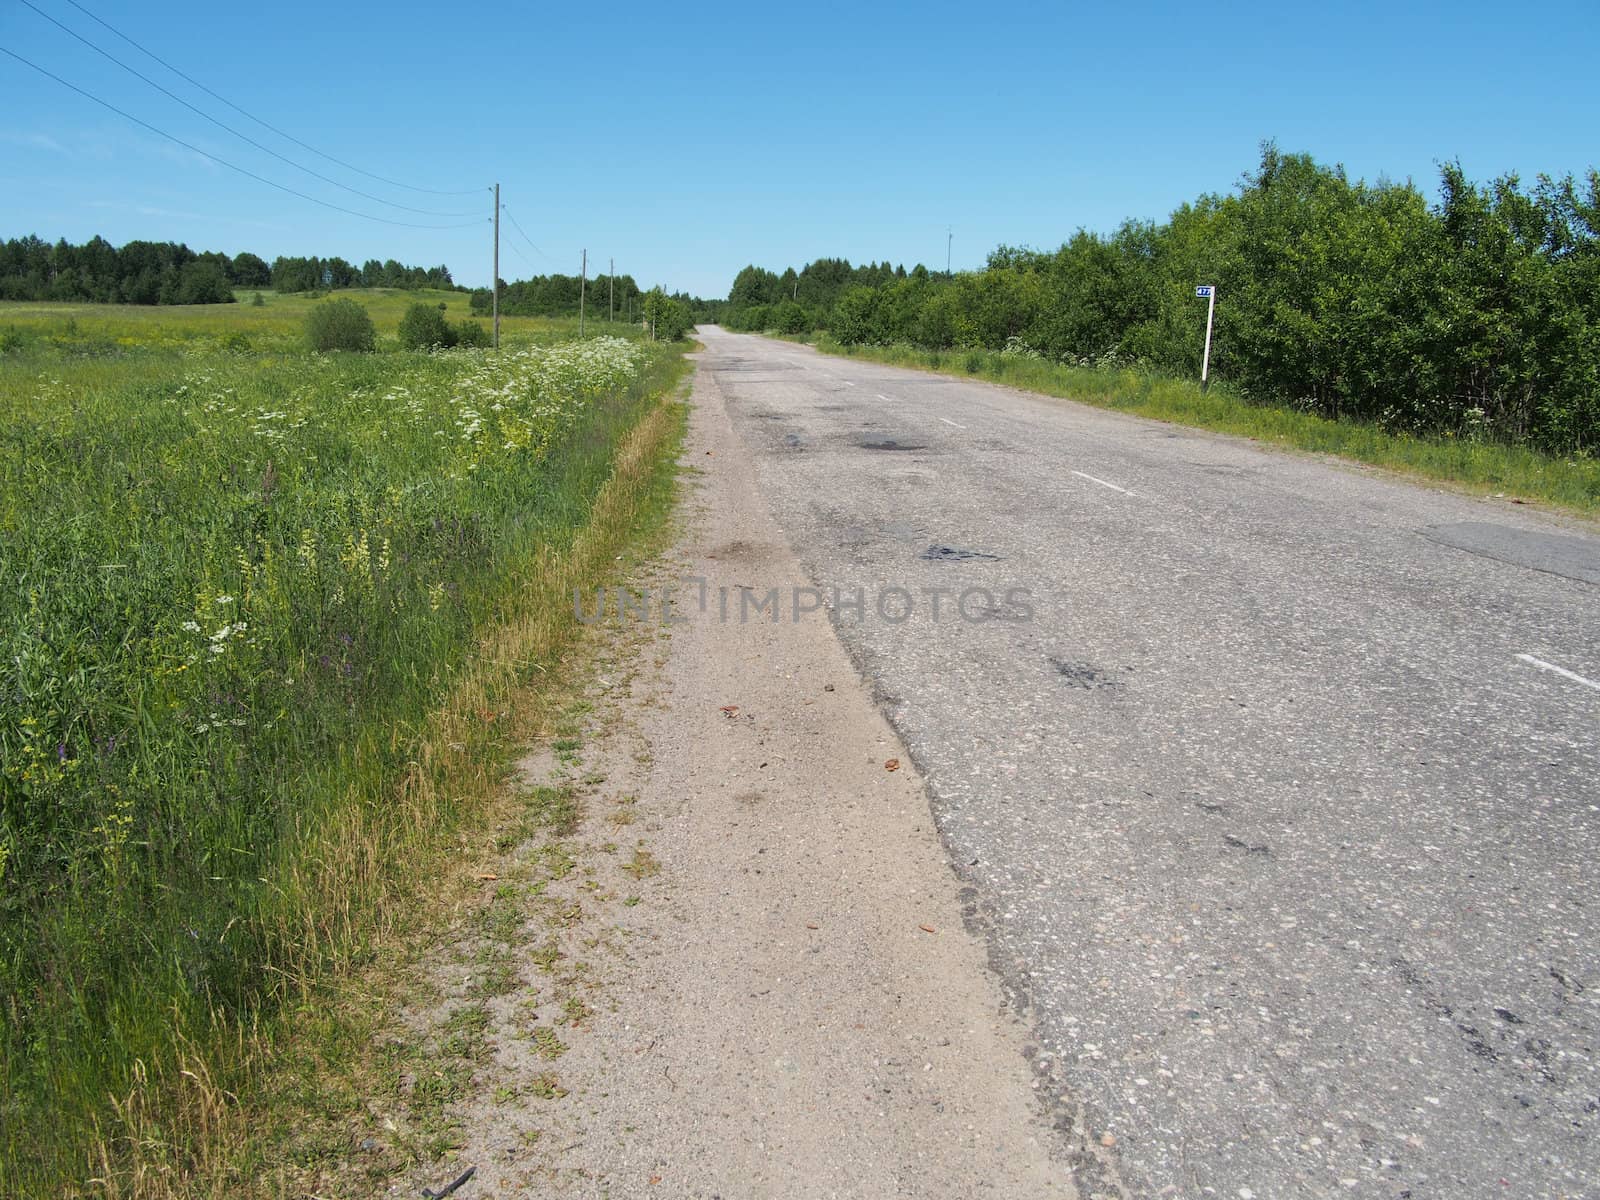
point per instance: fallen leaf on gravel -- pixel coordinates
(892, 764)
(728, 709)
(657, 1178)
(927, 929)
(1108, 1139)
(811, 924)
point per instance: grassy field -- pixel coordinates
(275, 325)
(263, 615)
(1476, 465)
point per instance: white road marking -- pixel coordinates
(881, 396)
(1103, 483)
(847, 383)
(1539, 662)
(948, 421)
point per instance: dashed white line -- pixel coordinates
(1103, 483)
(1562, 671)
(881, 396)
(848, 383)
(948, 421)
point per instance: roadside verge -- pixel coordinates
(717, 947)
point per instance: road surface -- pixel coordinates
(1276, 785)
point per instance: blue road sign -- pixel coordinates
(1203, 291)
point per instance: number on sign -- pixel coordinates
(1203, 291)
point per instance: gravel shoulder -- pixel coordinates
(758, 980)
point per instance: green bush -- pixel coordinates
(424, 328)
(1476, 316)
(790, 318)
(668, 317)
(854, 318)
(340, 325)
(470, 333)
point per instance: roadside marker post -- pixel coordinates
(1208, 292)
(494, 284)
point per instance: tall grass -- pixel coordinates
(1478, 465)
(235, 589)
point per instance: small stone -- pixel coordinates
(1108, 1139)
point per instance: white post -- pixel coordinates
(1205, 363)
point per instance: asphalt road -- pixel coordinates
(1282, 804)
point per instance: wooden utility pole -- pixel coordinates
(583, 286)
(494, 284)
(611, 292)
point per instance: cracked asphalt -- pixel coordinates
(1275, 781)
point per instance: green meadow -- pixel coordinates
(245, 593)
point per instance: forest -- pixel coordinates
(558, 296)
(1474, 314)
(171, 273)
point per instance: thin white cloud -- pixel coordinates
(151, 210)
(37, 141)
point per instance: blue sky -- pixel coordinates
(687, 140)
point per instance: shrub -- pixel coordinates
(470, 333)
(257, 302)
(669, 318)
(424, 327)
(790, 318)
(854, 318)
(340, 325)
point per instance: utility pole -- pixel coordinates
(611, 292)
(583, 284)
(494, 284)
(949, 236)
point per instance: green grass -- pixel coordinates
(277, 325)
(262, 615)
(1478, 466)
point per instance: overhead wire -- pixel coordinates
(410, 187)
(222, 161)
(427, 212)
(518, 251)
(523, 233)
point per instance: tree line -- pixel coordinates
(557, 296)
(171, 273)
(1474, 315)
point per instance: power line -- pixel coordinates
(525, 237)
(427, 212)
(264, 124)
(222, 161)
(520, 254)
